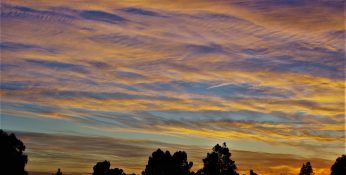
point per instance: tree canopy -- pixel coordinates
(306, 169)
(13, 159)
(103, 168)
(163, 163)
(219, 162)
(339, 167)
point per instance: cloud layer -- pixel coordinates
(267, 73)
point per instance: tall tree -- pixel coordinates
(339, 167)
(12, 159)
(219, 162)
(163, 163)
(306, 169)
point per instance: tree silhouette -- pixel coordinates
(163, 163)
(219, 162)
(103, 168)
(306, 169)
(181, 163)
(116, 171)
(339, 167)
(252, 172)
(58, 172)
(12, 158)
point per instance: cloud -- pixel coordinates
(102, 16)
(19, 12)
(139, 11)
(253, 71)
(57, 65)
(10, 46)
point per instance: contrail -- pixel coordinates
(219, 85)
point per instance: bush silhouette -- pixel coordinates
(219, 162)
(306, 169)
(163, 163)
(103, 168)
(13, 160)
(339, 167)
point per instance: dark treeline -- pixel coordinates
(217, 162)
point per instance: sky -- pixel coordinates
(85, 81)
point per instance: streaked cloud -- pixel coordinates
(265, 72)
